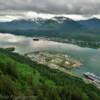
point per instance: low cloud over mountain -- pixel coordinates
(85, 7)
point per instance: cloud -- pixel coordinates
(84, 7)
(9, 16)
(75, 9)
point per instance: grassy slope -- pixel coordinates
(19, 76)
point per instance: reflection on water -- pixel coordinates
(90, 57)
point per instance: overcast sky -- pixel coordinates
(18, 8)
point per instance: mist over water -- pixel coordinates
(90, 57)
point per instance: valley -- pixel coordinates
(30, 64)
(49, 50)
(89, 57)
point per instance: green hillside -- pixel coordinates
(22, 79)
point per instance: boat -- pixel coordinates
(36, 39)
(92, 77)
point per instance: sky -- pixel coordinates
(75, 9)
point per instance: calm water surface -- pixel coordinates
(90, 57)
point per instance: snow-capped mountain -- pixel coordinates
(52, 27)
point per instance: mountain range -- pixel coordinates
(54, 27)
(93, 24)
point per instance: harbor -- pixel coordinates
(54, 60)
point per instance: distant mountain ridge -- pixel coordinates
(54, 27)
(54, 23)
(93, 24)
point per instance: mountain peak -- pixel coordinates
(94, 18)
(22, 20)
(60, 19)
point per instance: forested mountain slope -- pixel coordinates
(61, 27)
(20, 77)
